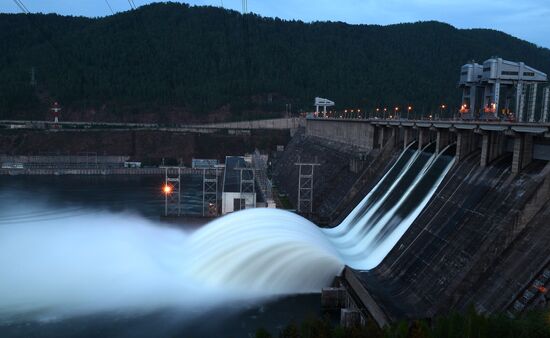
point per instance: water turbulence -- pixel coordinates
(61, 262)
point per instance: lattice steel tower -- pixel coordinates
(305, 185)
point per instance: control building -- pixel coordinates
(239, 191)
(501, 89)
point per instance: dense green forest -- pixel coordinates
(171, 61)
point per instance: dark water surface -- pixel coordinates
(141, 195)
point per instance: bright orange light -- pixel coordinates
(167, 189)
(409, 107)
(396, 108)
(443, 106)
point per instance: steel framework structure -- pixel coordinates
(209, 192)
(305, 185)
(247, 185)
(172, 198)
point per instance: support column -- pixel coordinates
(407, 137)
(523, 152)
(496, 96)
(532, 102)
(473, 94)
(442, 140)
(381, 130)
(520, 102)
(392, 135)
(423, 137)
(545, 105)
(464, 144)
(484, 150)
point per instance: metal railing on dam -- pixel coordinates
(276, 124)
(100, 171)
(527, 141)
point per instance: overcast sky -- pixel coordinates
(526, 19)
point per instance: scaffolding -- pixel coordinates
(305, 185)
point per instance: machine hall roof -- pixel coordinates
(499, 69)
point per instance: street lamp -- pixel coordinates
(396, 110)
(409, 108)
(385, 110)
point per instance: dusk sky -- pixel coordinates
(526, 19)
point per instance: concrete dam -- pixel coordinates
(244, 255)
(467, 214)
(428, 218)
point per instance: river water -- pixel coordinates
(91, 251)
(46, 202)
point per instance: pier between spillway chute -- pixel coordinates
(356, 305)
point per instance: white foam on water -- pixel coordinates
(65, 262)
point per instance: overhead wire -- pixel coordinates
(21, 6)
(109, 5)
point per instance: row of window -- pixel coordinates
(516, 73)
(505, 72)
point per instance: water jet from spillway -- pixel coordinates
(61, 262)
(102, 261)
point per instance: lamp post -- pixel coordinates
(409, 108)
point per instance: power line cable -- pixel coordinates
(21, 6)
(132, 4)
(109, 5)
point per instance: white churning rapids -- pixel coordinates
(62, 262)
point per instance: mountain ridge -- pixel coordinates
(175, 62)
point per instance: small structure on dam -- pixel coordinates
(501, 89)
(239, 191)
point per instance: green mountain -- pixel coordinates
(173, 62)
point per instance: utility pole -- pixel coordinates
(305, 185)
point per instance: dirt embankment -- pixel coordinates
(146, 146)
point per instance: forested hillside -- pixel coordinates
(173, 62)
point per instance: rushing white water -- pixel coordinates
(56, 262)
(89, 262)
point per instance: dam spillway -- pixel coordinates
(74, 259)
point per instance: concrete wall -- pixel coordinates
(283, 123)
(356, 133)
(229, 197)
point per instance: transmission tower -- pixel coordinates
(305, 185)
